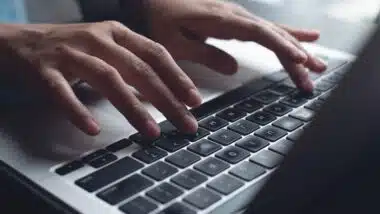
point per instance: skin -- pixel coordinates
(112, 58)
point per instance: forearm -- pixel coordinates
(132, 13)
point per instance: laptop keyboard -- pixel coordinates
(240, 139)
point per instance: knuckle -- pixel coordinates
(113, 24)
(105, 73)
(156, 51)
(143, 70)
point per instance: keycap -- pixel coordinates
(109, 174)
(252, 143)
(261, 118)
(266, 97)
(183, 158)
(189, 179)
(204, 147)
(94, 155)
(271, 133)
(119, 145)
(159, 171)
(295, 135)
(213, 123)
(324, 86)
(294, 100)
(287, 123)
(149, 154)
(225, 184)
(267, 159)
(315, 105)
(198, 135)
(243, 127)
(138, 205)
(249, 105)
(305, 94)
(282, 89)
(103, 160)
(69, 167)
(225, 137)
(211, 166)
(282, 147)
(247, 171)
(231, 114)
(124, 189)
(278, 109)
(303, 114)
(177, 208)
(171, 144)
(202, 198)
(140, 139)
(232, 154)
(164, 193)
(325, 96)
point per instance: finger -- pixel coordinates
(107, 81)
(297, 73)
(301, 34)
(163, 64)
(210, 56)
(66, 100)
(230, 26)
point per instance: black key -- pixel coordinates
(177, 208)
(189, 179)
(212, 166)
(138, 205)
(267, 159)
(295, 135)
(261, 118)
(287, 123)
(315, 106)
(109, 174)
(231, 114)
(164, 193)
(325, 96)
(303, 114)
(278, 109)
(159, 171)
(149, 154)
(225, 137)
(232, 154)
(307, 95)
(183, 158)
(324, 86)
(171, 144)
(266, 97)
(247, 171)
(244, 127)
(249, 105)
(252, 143)
(139, 139)
(225, 184)
(103, 160)
(294, 100)
(69, 167)
(202, 198)
(271, 133)
(204, 147)
(88, 158)
(282, 89)
(198, 135)
(213, 123)
(119, 145)
(282, 147)
(124, 189)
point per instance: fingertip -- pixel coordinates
(194, 98)
(93, 127)
(190, 124)
(152, 130)
(307, 85)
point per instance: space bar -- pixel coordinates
(241, 200)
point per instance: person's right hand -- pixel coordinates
(110, 58)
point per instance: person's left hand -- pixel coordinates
(182, 26)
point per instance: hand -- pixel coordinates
(182, 26)
(110, 58)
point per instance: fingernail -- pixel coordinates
(152, 129)
(194, 98)
(191, 124)
(92, 126)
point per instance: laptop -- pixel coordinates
(256, 149)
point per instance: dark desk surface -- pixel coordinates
(337, 34)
